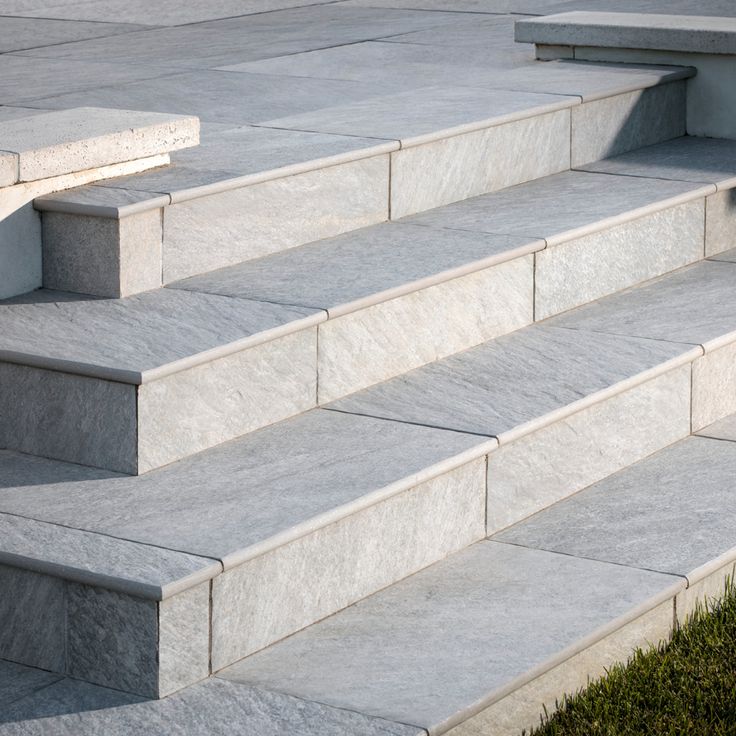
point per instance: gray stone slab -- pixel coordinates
(227, 502)
(708, 160)
(558, 207)
(215, 707)
(694, 305)
(17, 34)
(418, 115)
(412, 653)
(11, 113)
(729, 256)
(515, 379)
(632, 31)
(18, 681)
(124, 338)
(102, 201)
(96, 559)
(724, 429)
(364, 266)
(671, 512)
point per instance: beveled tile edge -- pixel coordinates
(484, 446)
(674, 74)
(721, 341)
(710, 567)
(70, 207)
(725, 184)
(60, 365)
(689, 354)
(665, 595)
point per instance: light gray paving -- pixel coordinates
(493, 388)
(336, 272)
(237, 495)
(114, 201)
(142, 570)
(693, 305)
(18, 681)
(127, 337)
(397, 654)
(216, 707)
(671, 512)
(408, 116)
(709, 160)
(724, 429)
(729, 256)
(557, 207)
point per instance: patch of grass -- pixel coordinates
(685, 686)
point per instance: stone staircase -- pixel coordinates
(391, 433)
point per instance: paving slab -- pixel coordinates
(365, 266)
(709, 160)
(694, 305)
(18, 681)
(494, 388)
(415, 654)
(671, 512)
(558, 207)
(724, 429)
(232, 501)
(728, 256)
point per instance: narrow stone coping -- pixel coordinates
(63, 142)
(686, 33)
(712, 566)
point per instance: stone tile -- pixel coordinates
(387, 339)
(452, 169)
(11, 113)
(184, 639)
(112, 639)
(412, 653)
(587, 268)
(32, 619)
(511, 382)
(705, 592)
(66, 141)
(68, 417)
(669, 512)
(707, 160)
(257, 603)
(229, 227)
(556, 461)
(714, 386)
(141, 570)
(31, 33)
(720, 222)
(230, 501)
(102, 256)
(18, 681)
(615, 125)
(723, 429)
(74, 708)
(115, 198)
(558, 207)
(694, 305)
(339, 273)
(195, 409)
(134, 335)
(409, 116)
(20, 252)
(8, 168)
(729, 256)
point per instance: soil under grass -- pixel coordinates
(685, 686)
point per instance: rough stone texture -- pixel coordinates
(20, 252)
(102, 256)
(455, 168)
(585, 269)
(258, 602)
(189, 411)
(541, 468)
(714, 386)
(8, 168)
(720, 221)
(618, 124)
(32, 619)
(388, 339)
(211, 232)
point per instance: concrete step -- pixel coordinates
(256, 190)
(43, 152)
(350, 499)
(256, 343)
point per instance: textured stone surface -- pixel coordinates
(142, 570)
(585, 269)
(18, 681)
(729, 256)
(8, 168)
(73, 708)
(714, 386)
(211, 403)
(706, 591)
(32, 619)
(20, 252)
(454, 168)
(258, 603)
(512, 381)
(618, 124)
(211, 232)
(545, 466)
(720, 222)
(388, 339)
(724, 429)
(669, 512)
(396, 653)
(102, 256)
